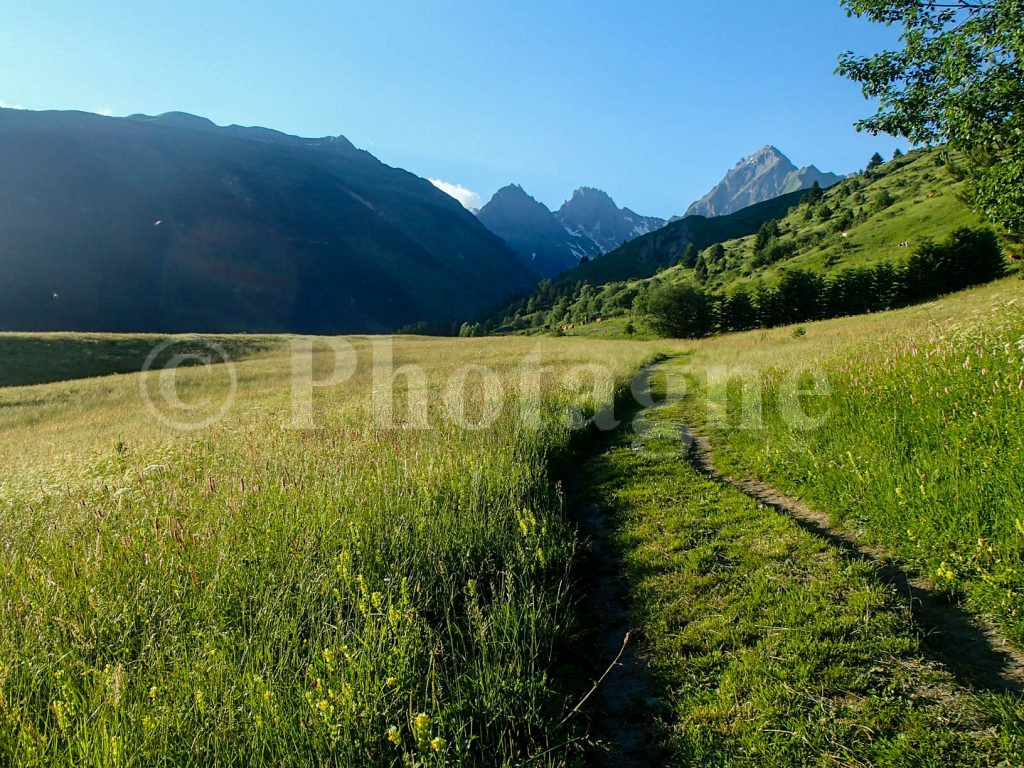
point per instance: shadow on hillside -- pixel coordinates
(973, 654)
(976, 655)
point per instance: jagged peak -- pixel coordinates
(590, 199)
(765, 174)
(513, 197)
(767, 153)
(590, 192)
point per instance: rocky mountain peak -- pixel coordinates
(761, 176)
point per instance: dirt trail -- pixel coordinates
(622, 706)
(622, 702)
(973, 650)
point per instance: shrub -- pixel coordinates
(679, 310)
(967, 257)
(884, 200)
(773, 251)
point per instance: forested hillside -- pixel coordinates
(897, 233)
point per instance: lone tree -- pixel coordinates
(875, 161)
(689, 256)
(814, 194)
(681, 310)
(957, 79)
(768, 232)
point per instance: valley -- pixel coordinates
(520, 426)
(509, 550)
(272, 584)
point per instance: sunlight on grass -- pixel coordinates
(921, 450)
(252, 594)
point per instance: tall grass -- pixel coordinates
(922, 449)
(253, 595)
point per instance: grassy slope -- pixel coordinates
(254, 595)
(921, 449)
(772, 647)
(927, 206)
(768, 646)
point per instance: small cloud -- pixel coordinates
(7, 105)
(105, 111)
(467, 197)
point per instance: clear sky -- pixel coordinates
(650, 101)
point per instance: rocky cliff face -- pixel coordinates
(763, 175)
(593, 213)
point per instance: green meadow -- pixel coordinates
(298, 583)
(920, 446)
(250, 594)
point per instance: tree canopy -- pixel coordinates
(679, 310)
(957, 79)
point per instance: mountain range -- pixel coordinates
(534, 232)
(763, 175)
(172, 223)
(587, 225)
(590, 224)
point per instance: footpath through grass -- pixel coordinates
(770, 647)
(249, 594)
(921, 449)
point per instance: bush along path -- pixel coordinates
(768, 643)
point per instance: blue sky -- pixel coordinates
(650, 101)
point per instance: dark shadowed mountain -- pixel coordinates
(172, 223)
(534, 232)
(593, 214)
(764, 175)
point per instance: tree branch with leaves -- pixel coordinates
(957, 79)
